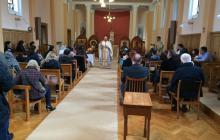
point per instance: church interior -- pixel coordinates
(109, 69)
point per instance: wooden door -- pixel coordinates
(44, 38)
(215, 45)
(69, 37)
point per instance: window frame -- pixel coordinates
(191, 6)
(19, 7)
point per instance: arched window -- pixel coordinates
(15, 7)
(193, 9)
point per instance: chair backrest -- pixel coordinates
(188, 89)
(166, 77)
(51, 73)
(135, 84)
(155, 64)
(66, 69)
(22, 65)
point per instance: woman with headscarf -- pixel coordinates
(32, 76)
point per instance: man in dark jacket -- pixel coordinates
(6, 82)
(67, 59)
(187, 71)
(135, 71)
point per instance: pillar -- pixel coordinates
(92, 26)
(53, 22)
(149, 29)
(179, 20)
(130, 25)
(88, 20)
(134, 20)
(208, 19)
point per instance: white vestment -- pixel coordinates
(105, 53)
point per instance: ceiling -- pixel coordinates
(117, 5)
(142, 1)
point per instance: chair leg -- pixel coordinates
(39, 107)
(125, 126)
(178, 109)
(171, 102)
(145, 125)
(198, 109)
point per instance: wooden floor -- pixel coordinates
(164, 125)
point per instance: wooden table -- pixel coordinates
(137, 103)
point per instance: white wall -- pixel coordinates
(196, 27)
(141, 20)
(59, 20)
(216, 23)
(8, 20)
(81, 18)
(42, 9)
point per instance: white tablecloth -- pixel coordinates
(91, 58)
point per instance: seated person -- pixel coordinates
(51, 60)
(20, 47)
(128, 61)
(81, 62)
(135, 71)
(187, 71)
(67, 58)
(11, 60)
(154, 56)
(181, 49)
(33, 55)
(171, 63)
(204, 56)
(51, 49)
(32, 76)
(20, 57)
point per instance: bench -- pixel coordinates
(26, 102)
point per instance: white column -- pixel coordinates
(92, 21)
(131, 25)
(134, 22)
(88, 20)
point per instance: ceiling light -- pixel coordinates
(218, 16)
(111, 0)
(103, 5)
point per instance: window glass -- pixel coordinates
(15, 7)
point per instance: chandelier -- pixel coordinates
(109, 17)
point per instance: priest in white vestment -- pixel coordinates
(105, 52)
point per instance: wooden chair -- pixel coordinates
(190, 89)
(164, 75)
(48, 73)
(22, 65)
(67, 72)
(213, 78)
(153, 67)
(26, 102)
(135, 84)
(207, 67)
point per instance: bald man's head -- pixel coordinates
(137, 59)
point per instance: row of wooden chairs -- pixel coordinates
(136, 85)
(48, 73)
